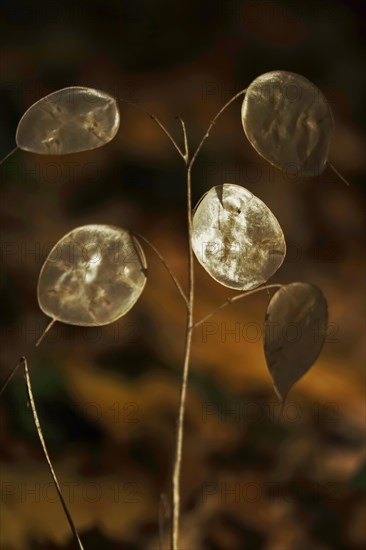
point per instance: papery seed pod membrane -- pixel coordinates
(70, 120)
(294, 333)
(236, 238)
(92, 276)
(288, 122)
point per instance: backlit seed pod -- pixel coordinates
(70, 120)
(288, 122)
(236, 238)
(92, 276)
(294, 333)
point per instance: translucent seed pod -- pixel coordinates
(288, 122)
(236, 238)
(294, 333)
(70, 120)
(92, 276)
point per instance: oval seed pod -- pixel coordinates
(288, 122)
(294, 333)
(92, 276)
(70, 120)
(236, 238)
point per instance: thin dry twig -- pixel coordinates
(213, 122)
(41, 438)
(338, 173)
(189, 331)
(183, 391)
(9, 378)
(189, 324)
(48, 328)
(165, 263)
(8, 155)
(186, 148)
(12, 373)
(157, 121)
(234, 299)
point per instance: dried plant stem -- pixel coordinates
(157, 121)
(8, 155)
(9, 378)
(183, 390)
(213, 122)
(46, 330)
(23, 362)
(41, 438)
(165, 264)
(338, 173)
(189, 329)
(234, 299)
(186, 149)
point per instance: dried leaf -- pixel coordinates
(288, 122)
(92, 276)
(70, 120)
(236, 238)
(294, 333)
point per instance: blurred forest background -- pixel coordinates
(108, 398)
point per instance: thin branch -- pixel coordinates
(8, 155)
(41, 438)
(186, 150)
(234, 299)
(157, 121)
(189, 332)
(165, 264)
(213, 122)
(9, 378)
(338, 173)
(48, 327)
(183, 392)
(12, 373)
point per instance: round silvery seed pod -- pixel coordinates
(288, 122)
(92, 276)
(294, 333)
(70, 120)
(236, 238)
